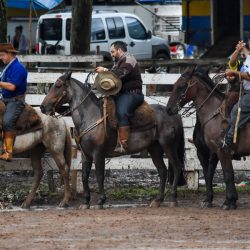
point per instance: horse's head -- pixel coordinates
(183, 92)
(57, 94)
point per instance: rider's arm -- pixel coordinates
(7, 85)
(234, 62)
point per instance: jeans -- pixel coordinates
(126, 104)
(244, 116)
(14, 107)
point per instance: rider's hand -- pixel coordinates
(100, 69)
(231, 74)
(240, 45)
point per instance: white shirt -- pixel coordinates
(246, 68)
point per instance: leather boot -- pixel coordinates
(8, 146)
(122, 142)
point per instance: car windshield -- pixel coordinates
(51, 29)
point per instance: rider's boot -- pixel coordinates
(122, 142)
(8, 146)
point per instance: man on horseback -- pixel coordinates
(130, 96)
(242, 73)
(13, 81)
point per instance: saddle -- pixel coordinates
(143, 118)
(28, 121)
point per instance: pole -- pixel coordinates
(30, 28)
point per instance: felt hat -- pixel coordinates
(107, 83)
(7, 47)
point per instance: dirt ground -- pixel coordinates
(184, 227)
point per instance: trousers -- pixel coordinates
(126, 104)
(14, 107)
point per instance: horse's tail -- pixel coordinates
(68, 147)
(181, 156)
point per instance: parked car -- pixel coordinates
(53, 35)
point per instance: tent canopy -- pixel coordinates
(36, 4)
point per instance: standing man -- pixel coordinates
(130, 96)
(19, 40)
(13, 82)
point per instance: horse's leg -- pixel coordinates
(213, 161)
(231, 193)
(172, 156)
(36, 155)
(208, 164)
(100, 168)
(156, 153)
(64, 172)
(86, 168)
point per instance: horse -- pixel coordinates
(97, 142)
(194, 85)
(208, 159)
(55, 138)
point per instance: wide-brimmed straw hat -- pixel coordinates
(7, 47)
(107, 83)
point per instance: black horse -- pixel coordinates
(98, 143)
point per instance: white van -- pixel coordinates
(53, 35)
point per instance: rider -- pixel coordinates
(130, 96)
(242, 74)
(13, 81)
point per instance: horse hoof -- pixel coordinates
(173, 204)
(98, 206)
(233, 206)
(25, 206)
(206, 204)
(63, 204)
(84, 206)
(225, 207)
(155, 204)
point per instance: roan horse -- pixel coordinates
(98, 144)
(54, 137)
(194, 85)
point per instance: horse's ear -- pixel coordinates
(67, 75)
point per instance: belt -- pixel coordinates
(136, 91)
(19, 97)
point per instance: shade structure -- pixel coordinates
(36, 4)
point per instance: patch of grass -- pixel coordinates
(131, 193)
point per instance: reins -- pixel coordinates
(92, 126)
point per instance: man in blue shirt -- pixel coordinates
(13, 82)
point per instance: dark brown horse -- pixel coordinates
(194, 85)
(97, 144)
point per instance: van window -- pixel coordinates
(97, 29)
(135, 29)
(51, 29)
(115, 28)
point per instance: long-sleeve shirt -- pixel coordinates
(128, 71)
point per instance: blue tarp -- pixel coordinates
(36, 4)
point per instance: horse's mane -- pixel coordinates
(86, 87)
(202, 74)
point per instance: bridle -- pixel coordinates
(190, 84)
(64, 93)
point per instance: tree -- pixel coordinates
(81, 26)
(3, 22)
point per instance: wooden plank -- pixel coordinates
(60, 58)
(148, 79)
